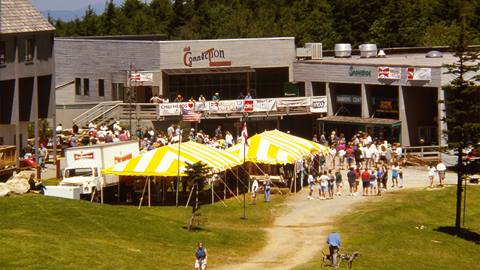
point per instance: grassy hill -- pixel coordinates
(38, 232)
(389, 236)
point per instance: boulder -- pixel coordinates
(4, 190)
(19, 183)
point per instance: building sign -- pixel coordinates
(358, 72)
(248, 105)
(319, 105)
(214, 57)
(171, 108)
(389, 73)
(386, 106)
(141, 77)
(80, 156)
(349, 99)
(419, 74)
(225, 106)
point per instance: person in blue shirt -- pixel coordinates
(334, 242)
(266, 188)
(201, 256)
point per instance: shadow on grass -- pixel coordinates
(464, 233)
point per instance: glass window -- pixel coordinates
(78, 86)
(3, 52)
(101, 88)
(86, 87)
(29, 49)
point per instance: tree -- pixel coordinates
(196, 173)
(462, 101)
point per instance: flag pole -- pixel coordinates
(244, 135)
(178, 158)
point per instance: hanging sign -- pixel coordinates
(319, 105)
(264, 105)
(389, 73)
(141, 77)
(419, 74)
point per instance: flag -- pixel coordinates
(245, 133)
(188, 115)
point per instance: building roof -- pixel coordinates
(416, 60)
(19, 16)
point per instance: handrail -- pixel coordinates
(87, 115)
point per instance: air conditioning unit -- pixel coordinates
(316, 50)
(304, 53)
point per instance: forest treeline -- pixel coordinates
(388, 23)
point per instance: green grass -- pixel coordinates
(385, 234)
(38, 232)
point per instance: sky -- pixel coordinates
(63, 4)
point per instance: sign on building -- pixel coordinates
(319, 105)
(389, 73)
(141, 77)
(419, 74)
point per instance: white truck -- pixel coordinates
(84, 164)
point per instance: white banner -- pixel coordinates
(264, 105)
(319, 105)
(202, 106)
(171, 108)
(391, 73)
(419, 74)
(293, 102)
(225, 106)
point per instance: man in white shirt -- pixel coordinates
(441, 168)
(59, 128)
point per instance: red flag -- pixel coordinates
(190, 116)
(245, 133)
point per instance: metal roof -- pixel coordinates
(360, 120)
(19, 16)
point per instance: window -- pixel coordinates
(86, 87)
(3, 53)
(29, 50)
(78, 86)
(101, 88)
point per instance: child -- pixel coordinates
(395, 171)
(375, 181)
(323, 185)
(431, 174)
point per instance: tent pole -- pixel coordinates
(220, 199)
(143, 194)
(176, 191)
(213, 199)
(189, 196)
(101, 191)
(224, 191)
(149, 193)
(231, 191)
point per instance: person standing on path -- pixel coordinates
(395, 172)
(201, 256)
(365, 182)
(431, 174)
(266, 188)
(351, 177)
(441, 168)
(254, 190)
(311, 182)
(338, 182)
(334, 242)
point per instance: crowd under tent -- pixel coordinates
(170, 161)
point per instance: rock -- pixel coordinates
(19, 183)
(4, 190)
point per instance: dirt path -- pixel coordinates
(300, 234)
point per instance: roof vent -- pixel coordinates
(381, 54)
(368, 50)
(343, 50)
(434, 54)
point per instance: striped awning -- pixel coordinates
(164, 161)
(276, 147)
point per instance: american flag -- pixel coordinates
(188, 115)
(245, 133)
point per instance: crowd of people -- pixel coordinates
(201, 98)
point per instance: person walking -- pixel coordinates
(254, 190)
(266, 188)
(351, 177)
(441, 168)
(323, 186)
(311, 183)
(338, 182)
(334, 243)
(331, 184)
(201, 256)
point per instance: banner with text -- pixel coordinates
(166, 109)
(225, 106)
(319, 105)
(293, 102)
(264, 105)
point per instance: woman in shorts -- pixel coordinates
(365, 182)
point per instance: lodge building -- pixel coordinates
(26, 70)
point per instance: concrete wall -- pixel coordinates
(7, 134)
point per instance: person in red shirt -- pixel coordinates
(365, 181)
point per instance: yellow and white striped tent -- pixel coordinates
(306, 146)
(276, 147)
(262, 150)
(164, 161)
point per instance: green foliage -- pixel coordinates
(389, 23)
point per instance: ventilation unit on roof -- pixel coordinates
(368, 50)
(343, 50)
(315, 49)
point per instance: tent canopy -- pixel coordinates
(276, 147)
(164, 161)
